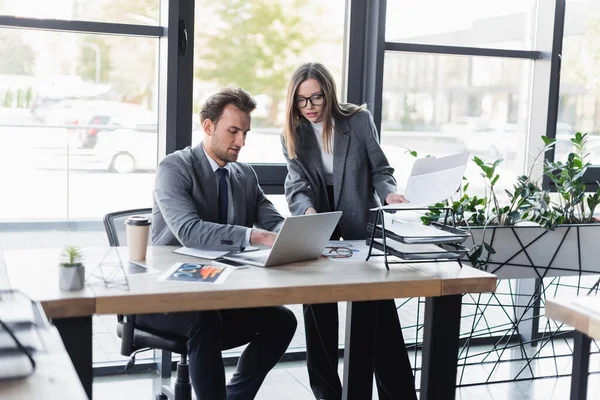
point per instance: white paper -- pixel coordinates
(404, 206)
(139, 267)
(207, 254)
(432, 180)
(15, 308)
(423, 166)
(414, 229)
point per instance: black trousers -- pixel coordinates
(268, 332)
(393, 372)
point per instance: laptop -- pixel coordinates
(301, 238)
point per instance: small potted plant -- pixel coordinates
(71, 270)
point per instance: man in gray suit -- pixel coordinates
(204, 198)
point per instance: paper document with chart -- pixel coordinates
(433, 179)
(189, 272)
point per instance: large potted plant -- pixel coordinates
(536, 233)
(529, 233)
(71, 275)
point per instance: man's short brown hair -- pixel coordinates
(213, 107)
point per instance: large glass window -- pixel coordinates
(473, 23)
(579, 101)
(138, 12)
(78, 124)
(441, 105)
(257, 45)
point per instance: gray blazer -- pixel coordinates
(185, 208)
(362, 176)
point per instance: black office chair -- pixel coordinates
(134, 338)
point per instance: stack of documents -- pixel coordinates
(412, 232)
(432, 180)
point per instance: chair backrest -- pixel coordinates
(114, 224)
(134, 337)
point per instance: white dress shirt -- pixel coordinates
(325, 156)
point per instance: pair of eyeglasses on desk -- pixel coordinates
(337, 252)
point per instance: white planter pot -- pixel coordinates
(71, 278)
(534, 252)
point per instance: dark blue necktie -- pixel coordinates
(223, 195)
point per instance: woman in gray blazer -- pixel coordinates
(335, 163)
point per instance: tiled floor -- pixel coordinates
(289, 381)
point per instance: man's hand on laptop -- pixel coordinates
(395, 198)
(310, 210)
(262, 237)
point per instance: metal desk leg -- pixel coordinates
(581, 366)
(440, 347)
(359, 351)
(76, 334)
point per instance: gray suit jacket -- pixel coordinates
(362, 176)
(185, 208)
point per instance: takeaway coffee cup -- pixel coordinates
(137, 227)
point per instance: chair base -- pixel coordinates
(182, 389)
(168, 393)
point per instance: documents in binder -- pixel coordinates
(432, 180)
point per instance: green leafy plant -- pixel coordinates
(72, 257)
(527, 200)
(567, 177)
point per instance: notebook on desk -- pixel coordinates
(301, 238)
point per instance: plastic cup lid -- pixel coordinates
(138, 220)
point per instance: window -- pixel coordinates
(257, 45)
(78, 125)
(470, 23)
(441, 105)
(579, 99)
(140, 12)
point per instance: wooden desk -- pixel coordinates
(317, 281)
(54, 376)
(583, 314)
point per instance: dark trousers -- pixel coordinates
(268, 332)
(393, 372)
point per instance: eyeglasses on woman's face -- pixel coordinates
(315, 100)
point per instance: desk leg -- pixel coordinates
(440, 347)
(76, 334)
(361, 318)
(581, 366)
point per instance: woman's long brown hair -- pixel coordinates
(331, 107)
